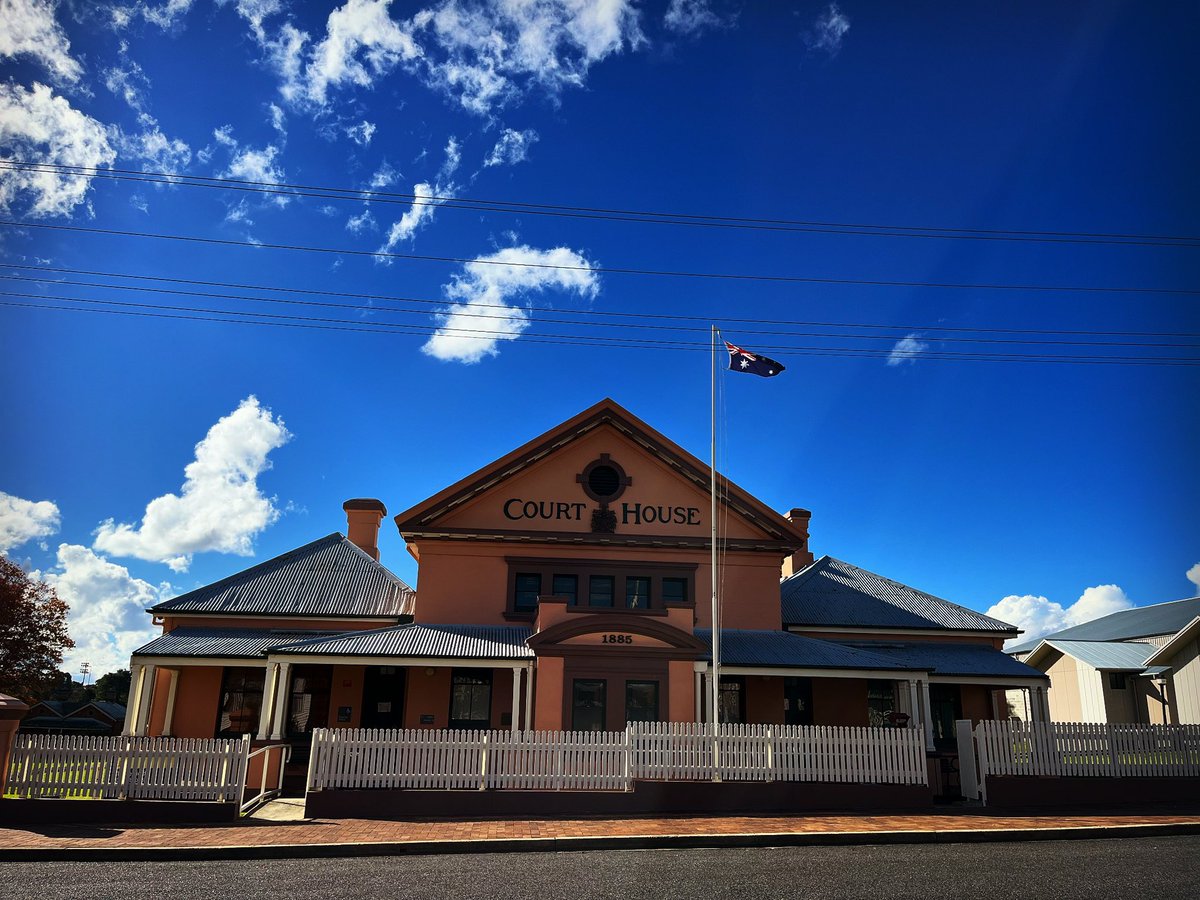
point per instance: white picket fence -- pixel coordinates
(134, 768)
(677, 751)
(565, 760)
(1068, 749)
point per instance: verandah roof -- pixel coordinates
(784, 650)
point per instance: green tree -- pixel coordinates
(114, 686)
(33, 633)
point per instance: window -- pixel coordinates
(675, 590)
(566, 586)
(588, 704)
(637, 592)
(881, 702)
(1116, 681)
(529, 585)
(471, 698)
(600, 590)
(241, 701)
(641, 701)
(733, 699)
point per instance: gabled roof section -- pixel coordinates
(421, 642)
(1186, 634)
(1141, 621)
(329, 578)
(831, 592)
(1107, 656)
(424, 515)
(780, 649)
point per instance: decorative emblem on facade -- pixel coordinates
(604, 481)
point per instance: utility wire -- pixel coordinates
(324, 192)
(245, 317)
(733, 276)
(587, 312)
(519, 313)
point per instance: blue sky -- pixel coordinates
(1050, 492)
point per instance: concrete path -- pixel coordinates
(274, 835)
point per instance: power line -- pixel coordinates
(789, 279)
(707, 320)
(524, 315)
(245, 317)
(325, 192)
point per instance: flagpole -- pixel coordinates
(716, 629)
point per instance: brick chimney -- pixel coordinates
(363, 515)
(803, 556)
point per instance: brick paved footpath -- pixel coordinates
(583, 833)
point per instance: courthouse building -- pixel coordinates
(566, 586)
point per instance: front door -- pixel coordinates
(589, 704)
(383, 697)
(797, 701)
(945, 707)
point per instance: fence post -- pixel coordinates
(628, 760)
(968, 778)
(770, 753)
(483, 764)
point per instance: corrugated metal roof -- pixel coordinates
(1119, 656)
(330, 577)
(950, 659)
(780, 649)
(1141, 621)
(424, 641)
(240, 643)
(833, 592)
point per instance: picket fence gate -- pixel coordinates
(133, 768)
(581, 760)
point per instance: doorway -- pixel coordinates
(797, 701)
(383, 697)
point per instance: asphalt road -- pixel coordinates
(1159, 868)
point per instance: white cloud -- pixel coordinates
(24, 520)
(129, 82)
(361, 222)
(828, 31)
(512, 148)
(166, 15)
(481, 314)
(220, 507)
(38, 127)
(427, 198)
(1193, 574)
(485, 53)
(361, 133)
(259, 165)
(107, 619)
(157, 152)
(362, 42)
(907, 349)
(1037, 616)
(278, 122)
(255, 11)
(140, 203)
(385, 176)
(692, 16)
(30, 29)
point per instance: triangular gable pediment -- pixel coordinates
(548, 488)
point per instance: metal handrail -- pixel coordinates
(263, 794)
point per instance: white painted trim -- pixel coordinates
(270, 686)
(996, 681)
(1170, 648)
(382, 621)
(282, 698)
(408, 662)
(927, 714)
(174, 661)
(135, 690)
(145, 699)
(884, 674)
(529, 696)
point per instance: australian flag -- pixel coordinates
(743, 361)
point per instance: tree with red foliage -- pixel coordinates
(33, 633)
